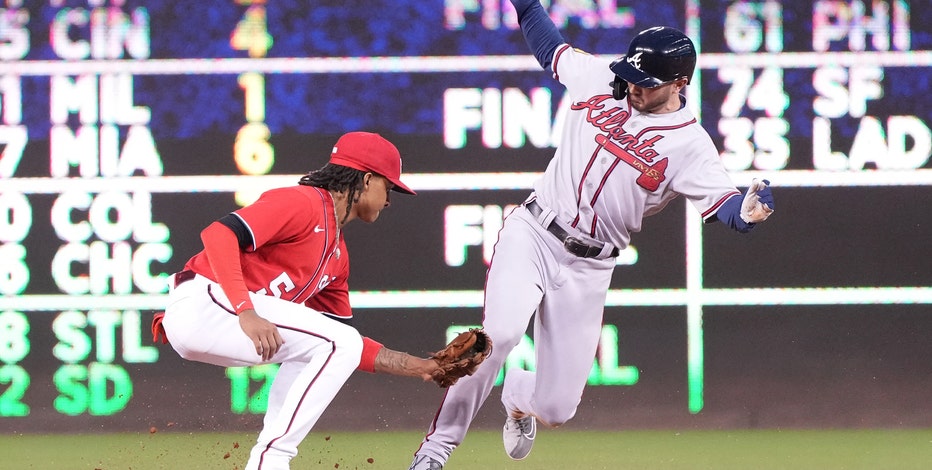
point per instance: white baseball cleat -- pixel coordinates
(518, 436)
(423, 462)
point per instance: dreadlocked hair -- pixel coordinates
(337, 178)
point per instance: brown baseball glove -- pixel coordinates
(461, 357)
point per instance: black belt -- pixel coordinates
(183, 277)
(571, 243)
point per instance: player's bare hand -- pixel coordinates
(263, 333)
(427, 368)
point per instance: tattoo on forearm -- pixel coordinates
(392, 362)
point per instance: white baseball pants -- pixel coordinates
(531, 272)
(318, 355)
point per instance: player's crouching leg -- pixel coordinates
(318, 359)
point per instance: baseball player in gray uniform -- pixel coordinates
(629, 147)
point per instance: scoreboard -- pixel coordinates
(128, 126)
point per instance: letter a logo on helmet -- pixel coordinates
(657, 56)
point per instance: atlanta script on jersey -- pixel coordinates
(633, 164)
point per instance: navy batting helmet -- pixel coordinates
(657, 56)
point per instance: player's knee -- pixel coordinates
(348, 346)
(555, 414)
(503, 337)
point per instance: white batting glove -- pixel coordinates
(758, 202)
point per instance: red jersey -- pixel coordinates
(297, 252)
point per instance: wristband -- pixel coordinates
(370, 349)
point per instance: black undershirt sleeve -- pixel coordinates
(234, 223)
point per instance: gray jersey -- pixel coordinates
(614, 165)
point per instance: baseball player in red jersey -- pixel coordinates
(270, 286)
(629, 146)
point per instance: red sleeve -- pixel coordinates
(223, 253)
(370, 349)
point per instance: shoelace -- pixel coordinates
(525, 425)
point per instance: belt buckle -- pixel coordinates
(580, 248)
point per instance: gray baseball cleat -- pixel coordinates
(423, 462)
(518, 436)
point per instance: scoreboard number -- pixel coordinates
(761, 142)
(251, 33)
(14, 346)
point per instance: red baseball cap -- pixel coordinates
(366, 151)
